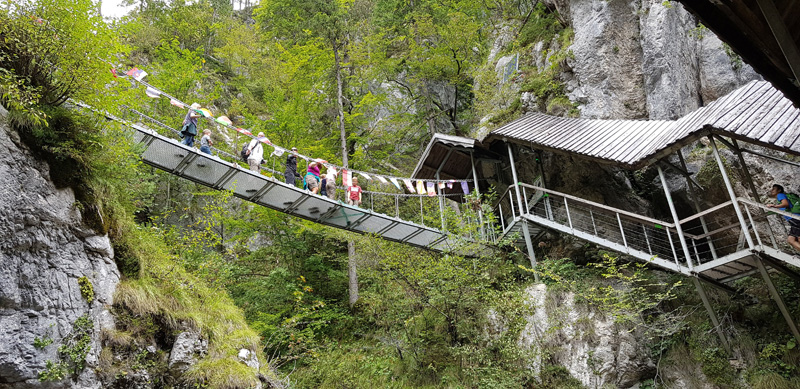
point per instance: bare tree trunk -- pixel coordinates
(351, 246)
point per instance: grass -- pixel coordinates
(179, 300)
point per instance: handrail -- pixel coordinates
(764, 207)
(706, 212)
(601, 206)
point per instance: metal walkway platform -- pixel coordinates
(175, 158)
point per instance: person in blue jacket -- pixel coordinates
(785, 205)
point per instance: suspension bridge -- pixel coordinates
(717, 245)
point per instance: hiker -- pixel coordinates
(189, 129)
(354, 193)
(323, 190)
(785, 205)
(255, 152)
(330, 184)
(291, 167)
(205, 142)
(311, 179)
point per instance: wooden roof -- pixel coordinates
(755, 113)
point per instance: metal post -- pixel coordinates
(753, 192)
(647, 240)
(525, 196)
(777, 297)
(622, 231)
(569, 218)
(672, 246)
(397, 206)
(502, 220)
(731, 193)
(594, 226)
(477, 190)
(514, 175)
(511, 201)
(697, 206)
(529, 244)
(707, 303)
(439, 190)
(421, 213)
(672, 210)
(752, 223)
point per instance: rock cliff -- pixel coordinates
(45, 250)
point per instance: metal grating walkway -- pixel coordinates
(175, 158)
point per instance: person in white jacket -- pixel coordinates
(256, 152)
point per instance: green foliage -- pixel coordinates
(42, 342)
(72, 352)
(87, 291)
(736, 59)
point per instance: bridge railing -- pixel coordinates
(771, 229)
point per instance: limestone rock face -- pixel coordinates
(44, 250)
(607, 59)
(596, 350)
(188, 348)
(643, 59)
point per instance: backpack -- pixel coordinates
(794, 199)
(245, 151)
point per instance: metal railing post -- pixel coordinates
(674, 213)
(502, 219)
(752, 223)
(647, 240)
(569, 218)
(622, 231)
(672, 246)
(594, 226)
(731, 193)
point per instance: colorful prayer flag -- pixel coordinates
(114, 72)
(176, 103)
(365, 175)
(420, 187)
(278, 151)
(382, 180)
(332, 171)
(150, 92)
(441, 185)
(450, 184)
(205, 112)
(431, 189)
(409, 186)
(396, 184)
(465, 187)
(346, 178)
(137, 74)
(224, 120)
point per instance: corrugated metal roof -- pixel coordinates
(756, 113)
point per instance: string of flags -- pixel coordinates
(422, 186)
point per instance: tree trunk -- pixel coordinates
(351, 246)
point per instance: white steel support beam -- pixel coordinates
(477, 191)
(438, 190)
(712, 314)
(754, 192)
(697, 209)
(529, 244)
(678, 228)
(732, 194)
(514, 175)
(777, 297)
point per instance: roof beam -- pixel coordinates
(782, 36)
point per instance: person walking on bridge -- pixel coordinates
(256, 152)
(311, 180)
(785, 205)
(291, 167)
(189, 129)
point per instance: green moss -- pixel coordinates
(87, 291)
